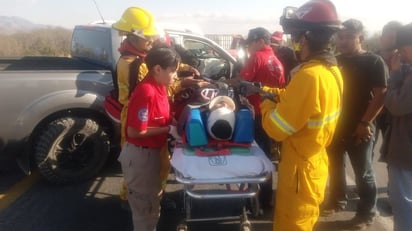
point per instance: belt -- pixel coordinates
(144, 147)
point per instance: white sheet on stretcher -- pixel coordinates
(226, 166)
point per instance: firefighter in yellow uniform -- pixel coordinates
(304, 115)
(137, 24)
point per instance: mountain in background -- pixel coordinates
(20, 37)
(13, 24)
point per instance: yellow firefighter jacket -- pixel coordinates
(123, 69)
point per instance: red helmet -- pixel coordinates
(313, 15)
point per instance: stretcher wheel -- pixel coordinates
(245, 226)
(182, 227)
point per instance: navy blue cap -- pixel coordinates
(258, 33)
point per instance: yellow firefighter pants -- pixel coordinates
(300, 190)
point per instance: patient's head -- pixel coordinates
(221, 119)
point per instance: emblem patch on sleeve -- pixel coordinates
(142, 115)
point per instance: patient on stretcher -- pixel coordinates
(218, 143)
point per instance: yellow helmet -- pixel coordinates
(137, 21)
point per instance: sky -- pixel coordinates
(203, 16)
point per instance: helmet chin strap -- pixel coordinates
(297, 57)
(297, 46)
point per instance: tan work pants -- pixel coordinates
(141, 169)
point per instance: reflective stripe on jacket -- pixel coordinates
(304, 120)
(308, 109)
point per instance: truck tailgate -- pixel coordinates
(33, 63)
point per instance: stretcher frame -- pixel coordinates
(248, 189)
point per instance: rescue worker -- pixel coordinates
(148, 124)
(305, 115)
(141, 31)
(138, 25)
(263, 67)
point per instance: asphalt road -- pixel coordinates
(30, 203)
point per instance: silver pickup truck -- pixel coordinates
(52, 115)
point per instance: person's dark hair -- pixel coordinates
(319, 40)
(160, 45)
(187, 57)
(391, 26)
(258, 33)
(404, 36)
(353, 25)
(163, 56)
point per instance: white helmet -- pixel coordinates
(221, 120)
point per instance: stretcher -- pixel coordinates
(237, 175)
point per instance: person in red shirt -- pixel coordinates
(263, 67)
(285, 54)
(147, 126)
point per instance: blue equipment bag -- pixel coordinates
(195, 129)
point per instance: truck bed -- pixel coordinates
(41, 63)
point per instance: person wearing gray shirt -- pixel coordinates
(398, 101)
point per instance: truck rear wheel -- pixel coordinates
(71, 149)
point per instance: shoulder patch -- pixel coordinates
(142, 115)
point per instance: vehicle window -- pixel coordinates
(201, 50)
(211, 64)
(91, 44)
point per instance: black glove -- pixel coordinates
(270, 96)
(173, 132)
(249, 88)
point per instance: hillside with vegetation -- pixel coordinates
(37, 42)
(20, 37)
